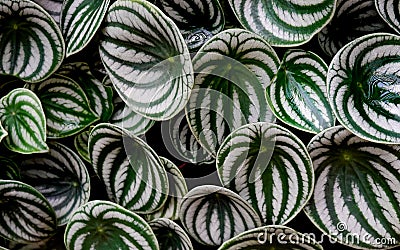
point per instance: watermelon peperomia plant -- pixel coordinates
(164, 124)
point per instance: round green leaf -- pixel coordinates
(79, 21)
(270, 168)
(356, 196)
(271, 237)
(177, 189)
(105, 225)
(65, 104)
(23, 118)
(284, 23)
(131, 171)
(297, 95)
(233, 69)
(212, 214)
(61, 176)
(31, 44)
(146, 58)
(364, 87)
(389, 10)
(25, 215)
(170, 235)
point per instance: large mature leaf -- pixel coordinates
(9, 170)
(212, 214)
(177, 189)
(125, 117)
(61, 176)
(99, 96)
(53, 7)
(233, 69)
(270, 168)
(198, 20)
(105, 225)
(3, 132)
(181, 143)
(25, 215)
(271, 237)
(65, 105)
(79, 21)
(149, 64)
(170, 235)
(356, 198)
(389, 10)
(364, 87)
(353, 19)
(131, 171)
(297, 95)
(31, 44)
(81, 143)
(23, 118)
(284, 23)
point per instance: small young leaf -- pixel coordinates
(170, 235)
(9, 170)
(81, 143)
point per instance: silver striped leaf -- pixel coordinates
(146, 58)
(356, 200)
(61, 176)
(213, 215)
(198, 20)
(131, 171)
(353, 19)
(103, 224)
(181, 143)
(79, 21)
(9, 170)
(31, 43)
(125, 117)
(389, 10)
(177, 189)
(298, 96)
(170, 235)
(272, 237)
(53, 7)
(364, 87)
(3, 132)
(22, 116)
(25, 215)
(284, 23)
(99, 96)
(270, 168)
(232, 70)
(65, 104)
(81, 143)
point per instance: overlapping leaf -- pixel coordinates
(105, 225)
(212, 214)
(3, 132)
(61, 176)
(79, 21)
(297, 95)
(99, 96)
(170, 235)
(131, 171)
(198, 20)
(31, 44)
(150, 64)
(353, 19)
(364, 87)
(23, 118)
(177, 189)
(53, 7)
(81, 143)
(65, 104)
(233, 69)
(26, 216)
(9, 170)
(270, 168)
(356, 197)
(284, 23)
(389, 10)
(271, 237)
